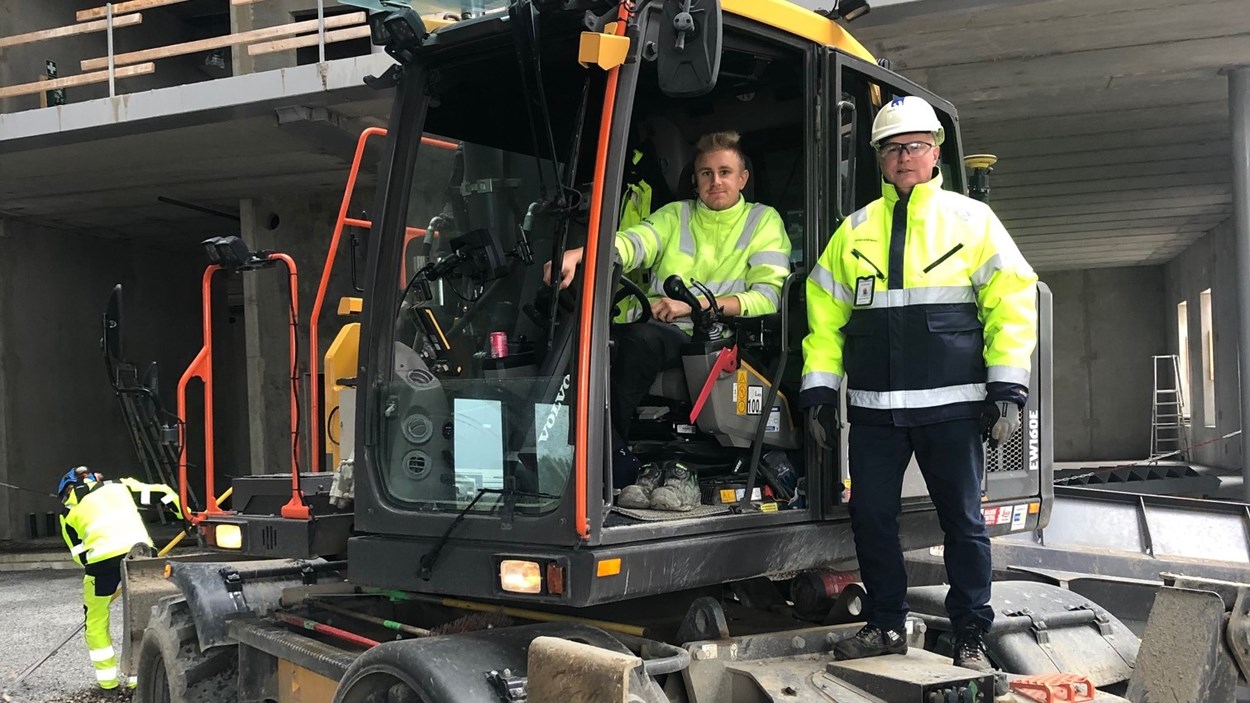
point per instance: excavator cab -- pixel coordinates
(482, 462)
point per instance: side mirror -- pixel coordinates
(688, 47)
(113, 324)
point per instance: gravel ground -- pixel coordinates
(38, 609)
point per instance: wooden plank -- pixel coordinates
(71, 30)
(121, 8)
(191, 47)
(337, 35)
(74, 81)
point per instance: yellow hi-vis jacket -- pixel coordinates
(742, 252)
(919, 303)
(101, 520)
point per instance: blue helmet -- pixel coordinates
(72, 477)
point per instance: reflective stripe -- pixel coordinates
(659, 241)
(824, 278)
(686, 246)
(926, 398)
(78, 549)
(770, 258)
(106, 675)
(902, 297)
(987, 271)
(858, 217)
(748, 229)
(1008, 374)
(821, 379)
(768, 291)
(639, 252)
(145, 496)
(132, 682)
(169, 498)
(104, 654)
(736, 285)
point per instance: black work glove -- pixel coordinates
(1000, 420)
(822, 425)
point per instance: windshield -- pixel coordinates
(480, 403)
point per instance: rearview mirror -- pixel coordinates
(113, 324)
(688, 47)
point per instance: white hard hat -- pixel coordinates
(904, 115)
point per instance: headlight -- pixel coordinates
(517, 576)
(228, 536)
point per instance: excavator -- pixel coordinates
(463, 544)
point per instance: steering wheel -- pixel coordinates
(631, 289)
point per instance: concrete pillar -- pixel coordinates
(1239, 114)
(299, 226)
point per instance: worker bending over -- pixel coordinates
(101, 524)
(738, 250)
(925, 305)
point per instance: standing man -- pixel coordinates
(923, 302)
(101, 524)
(739, 250)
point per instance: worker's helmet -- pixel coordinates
(903, 115)
(73, 477)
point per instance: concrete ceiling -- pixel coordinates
(1110, 118)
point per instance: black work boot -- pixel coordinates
(970, 650)
(871, 641)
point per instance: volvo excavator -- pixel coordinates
(463, 544)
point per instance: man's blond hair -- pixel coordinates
(720, 141)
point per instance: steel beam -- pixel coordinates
(1239, 114)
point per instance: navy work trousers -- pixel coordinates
(952, 460)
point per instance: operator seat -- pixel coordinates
(670, 151)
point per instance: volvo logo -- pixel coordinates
(1034, 435)
(554, 413)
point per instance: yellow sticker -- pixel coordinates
(768, 507)
(741, 388)
(728, 495)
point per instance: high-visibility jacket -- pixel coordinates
(919, 303)
(635, 205)
(741, 252)
(636, 200)
(101, 520)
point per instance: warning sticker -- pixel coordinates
(990, 515)
(755, 400)
(1004, 515)
(1018, 515)
(740, 392)
(774, 420)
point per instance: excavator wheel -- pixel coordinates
(380, 692)
(172, 669)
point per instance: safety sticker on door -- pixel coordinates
(755, 400)
(740, 392)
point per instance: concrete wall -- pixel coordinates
(1209, 263)
(1106, 328)
(57, 409)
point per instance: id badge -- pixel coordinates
(865, 287)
